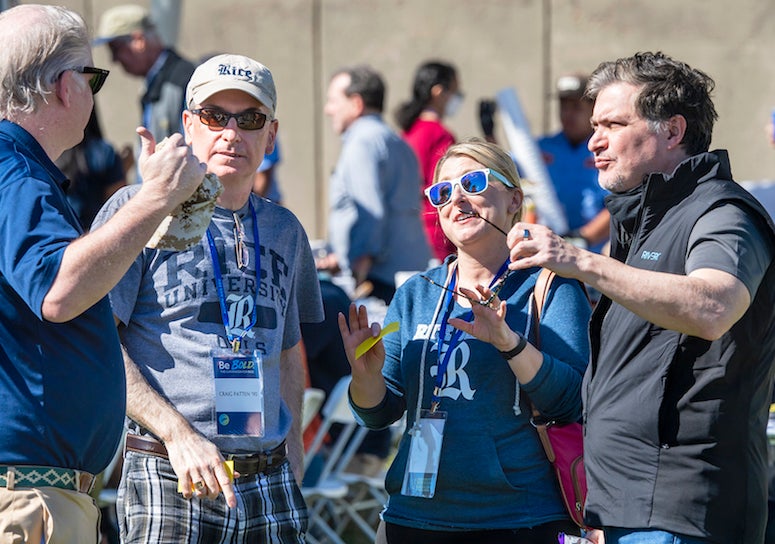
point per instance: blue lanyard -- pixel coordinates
(235, 342)
(441, 369)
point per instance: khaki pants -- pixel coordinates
(47, 515)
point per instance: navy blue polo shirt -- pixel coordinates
(62, 385)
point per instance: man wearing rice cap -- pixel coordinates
(211, 340)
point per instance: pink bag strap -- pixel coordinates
(540, 291)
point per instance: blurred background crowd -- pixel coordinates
(494, 44)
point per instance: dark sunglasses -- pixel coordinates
(97, 79)
(472, 183)
(246, 120)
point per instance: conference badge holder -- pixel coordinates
(422, 467)
(239, 392)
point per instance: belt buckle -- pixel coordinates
(264, 462)
(10, 478)
(251, 464)
(84, 482)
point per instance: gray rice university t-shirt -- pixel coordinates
(171, 318)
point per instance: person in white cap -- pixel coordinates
(134, 42)
(62, 385)
(212, 341)
(571, 165)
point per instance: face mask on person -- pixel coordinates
(453, 104)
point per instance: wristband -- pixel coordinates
(516, 350)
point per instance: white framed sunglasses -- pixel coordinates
(472, 183)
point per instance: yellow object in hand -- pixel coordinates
(228, 465)
(367, 344)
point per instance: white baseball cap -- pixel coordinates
(572, 86)
(232, 72)
(122, 21)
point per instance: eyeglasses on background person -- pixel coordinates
(472, 183)
(217, 118)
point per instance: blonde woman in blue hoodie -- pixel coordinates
(464, 368)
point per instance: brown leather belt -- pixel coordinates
(246, 465)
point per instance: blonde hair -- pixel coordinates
(490, 156)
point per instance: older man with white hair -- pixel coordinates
(61, 378)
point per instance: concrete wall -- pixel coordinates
(494, 43)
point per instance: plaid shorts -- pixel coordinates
(270, 508)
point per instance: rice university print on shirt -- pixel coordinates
(456, 382)
(187, 281)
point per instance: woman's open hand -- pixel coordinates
(359, 330)
(367, 388)
(489, 323)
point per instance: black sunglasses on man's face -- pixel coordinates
(97, 79)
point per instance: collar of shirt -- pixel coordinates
(156, 68)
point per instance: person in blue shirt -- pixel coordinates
(571, 166)
(265, 181)
(62, 385)
(465, 355)
(569, 163)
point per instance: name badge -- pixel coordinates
(422, 467)
(239, 393)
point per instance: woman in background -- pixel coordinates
(435, 95)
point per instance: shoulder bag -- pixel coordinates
(563, 443)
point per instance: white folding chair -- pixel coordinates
(313, 400)
(367, 495)
(327, 502)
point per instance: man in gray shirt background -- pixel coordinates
(375, 190)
